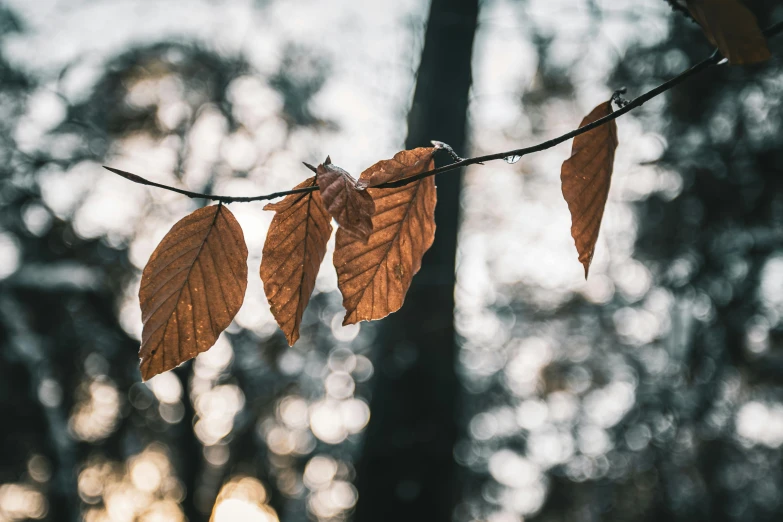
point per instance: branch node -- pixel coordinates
(439, 145)
(618, 99)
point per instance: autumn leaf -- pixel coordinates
(732, 28)
(350, 205)
(586, 177)
(404, 164)
(294, 248)
(191, 289)
(374, 277)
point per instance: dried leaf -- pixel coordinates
(294, 248)
(191, 288)
(732, 28)
(586, 177)
(351, 206)
(404, 164)
(374, 277)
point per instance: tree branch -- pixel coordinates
(714, 59)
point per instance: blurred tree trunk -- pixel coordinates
(407, 470)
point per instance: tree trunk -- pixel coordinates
(407, 470)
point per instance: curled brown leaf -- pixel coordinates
(191, 289)
(586, 177)
(294, 248)
(374, 277)
(348, 203)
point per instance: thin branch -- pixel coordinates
(212, 197)
(714, 59)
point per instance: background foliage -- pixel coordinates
(651, 391)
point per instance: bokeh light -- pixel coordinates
(652, 387)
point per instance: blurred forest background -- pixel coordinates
(507, 388)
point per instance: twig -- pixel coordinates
(212, 197)
(714, 59)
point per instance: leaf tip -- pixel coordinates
(309, 166)
(127, 175)
(360, 233)
(144, 369)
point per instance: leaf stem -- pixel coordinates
(712, 60)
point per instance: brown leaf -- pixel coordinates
(404, 164)
(294, 248)
(350, 205)
(732, 28)
(374, 277)
(191, 288)
(586, 177)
